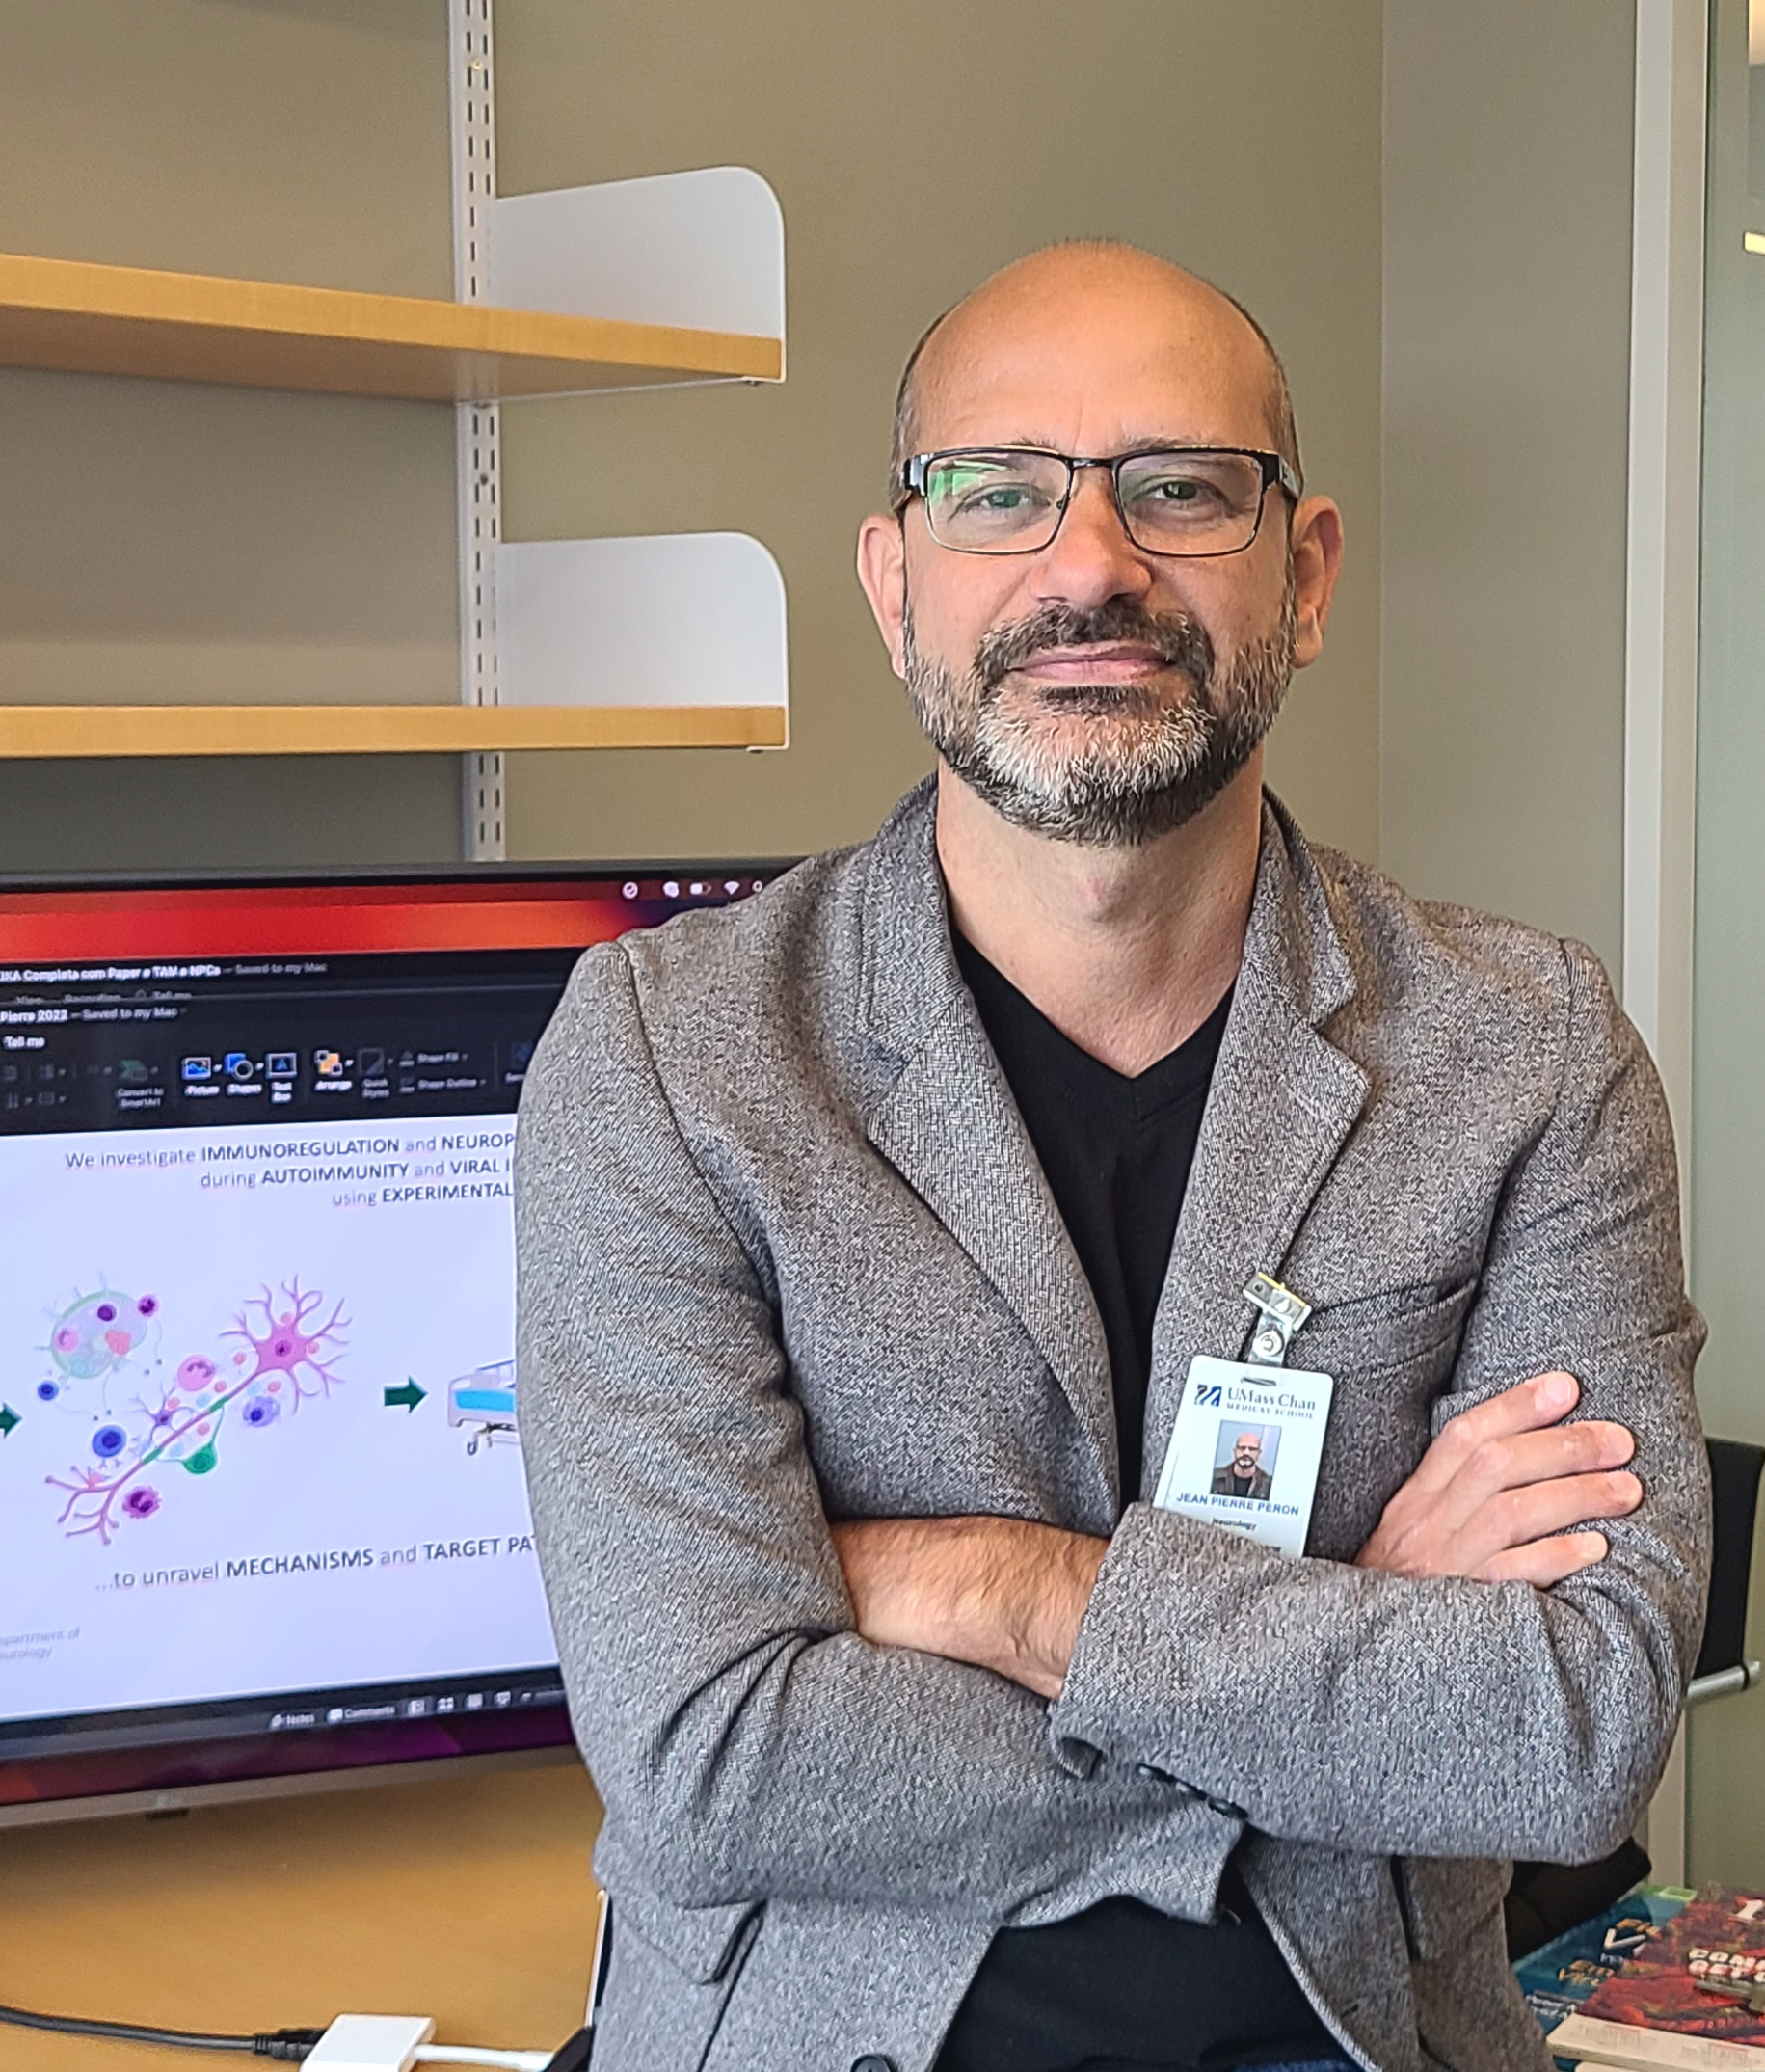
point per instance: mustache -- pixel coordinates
(1178, 640)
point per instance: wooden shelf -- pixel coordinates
(73, 316)
(186, 729)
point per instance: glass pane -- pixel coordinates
(1726, 1835)
(1755, 101)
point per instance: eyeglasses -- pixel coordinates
(1190, 500)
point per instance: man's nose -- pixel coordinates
(1090, 559)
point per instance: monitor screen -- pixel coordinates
(262, 1506)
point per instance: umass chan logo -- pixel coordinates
(1207, 1395)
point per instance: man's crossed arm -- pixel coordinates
(1508, 1493)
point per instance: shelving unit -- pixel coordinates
(73, 316)
(637, 283)
(42, 731)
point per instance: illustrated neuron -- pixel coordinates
(286, 1354)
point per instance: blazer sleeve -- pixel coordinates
(1446, 1718)
(746, 1742)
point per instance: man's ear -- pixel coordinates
(1317, 562)
(882, 570)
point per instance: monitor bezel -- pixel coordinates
(170, 1797)
(223, 877)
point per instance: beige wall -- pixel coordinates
(1507, 299)
(914, 149)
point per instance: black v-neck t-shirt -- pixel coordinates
(1116, 1154)
(1122, 1987)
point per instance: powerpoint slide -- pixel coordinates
(257, 1414)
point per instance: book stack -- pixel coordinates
(1565, 1974)
(1690, 1996)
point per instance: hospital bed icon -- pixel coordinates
(482, 1404)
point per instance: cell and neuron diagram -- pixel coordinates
(281, 1350)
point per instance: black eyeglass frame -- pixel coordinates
(1278, 473)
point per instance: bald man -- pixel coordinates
(867, 1233)
(1244, 1474)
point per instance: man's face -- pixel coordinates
(1246, 1455)
(1093, 691)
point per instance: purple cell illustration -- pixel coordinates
(293, 1347)
(47, 1391)
(97, 1333)
(291, 1340)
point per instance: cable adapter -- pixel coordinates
(371, 2043)
(399, 2042)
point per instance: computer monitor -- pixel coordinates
(262, 1519)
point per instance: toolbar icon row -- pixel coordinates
(238, 1065)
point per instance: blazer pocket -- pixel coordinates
(700, 1942)
(1372, 1332)
(665, 2001)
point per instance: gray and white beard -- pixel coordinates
(1158, 765)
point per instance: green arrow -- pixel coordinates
(407, 1398)
(9, 1417)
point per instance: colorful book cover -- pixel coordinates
(1561, 1976)
(1691, 1998)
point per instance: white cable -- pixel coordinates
(464, 2054)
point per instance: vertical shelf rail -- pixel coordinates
(478, 426)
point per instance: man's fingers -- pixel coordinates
(1519, 1519)
(1508, 1468)
(1528, 1406)
(1536, 1512)
(1560, 1453)
(1547, 1562)
(1495, 1541)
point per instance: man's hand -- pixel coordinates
(1498, 1493)
(1001, 1593)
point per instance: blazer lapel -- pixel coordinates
(949, 1127)
(1281, 1106)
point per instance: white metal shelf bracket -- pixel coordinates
(704, 250)
(675, 618)
(692, 619)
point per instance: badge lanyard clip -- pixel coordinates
(1279, 1312)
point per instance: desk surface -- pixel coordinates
(470, 1899)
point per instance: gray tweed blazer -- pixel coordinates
(786, 1254)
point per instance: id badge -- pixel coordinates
(1246, 1450)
